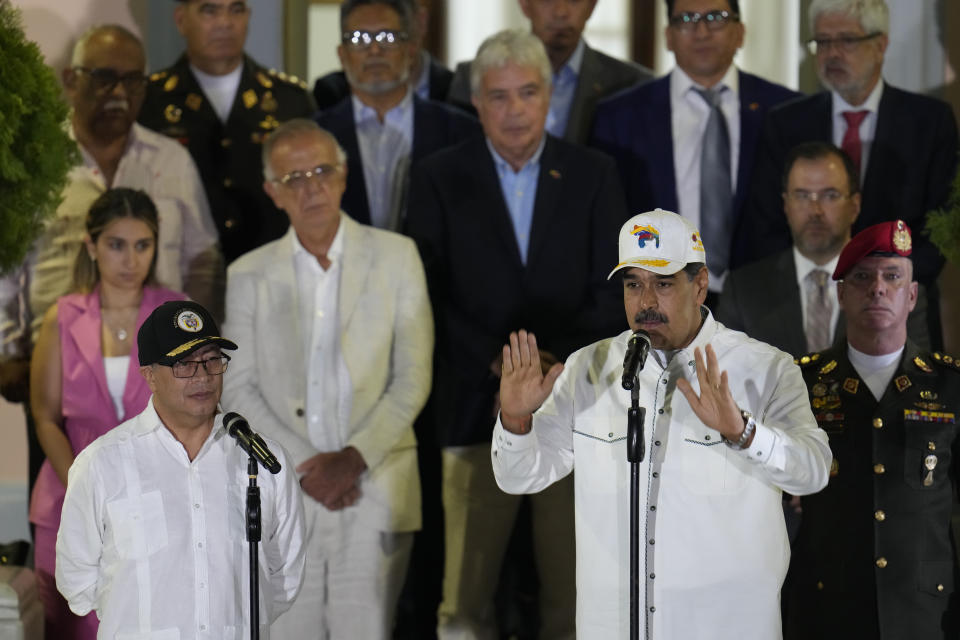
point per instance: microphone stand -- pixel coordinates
(253, 538)
(635, 453)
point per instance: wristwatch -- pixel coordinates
(749, 426)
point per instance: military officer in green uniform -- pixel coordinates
(874, 556)
(220, 104)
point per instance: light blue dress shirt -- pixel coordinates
(520, 192)
(564, 86)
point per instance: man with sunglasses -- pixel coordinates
(153, 532)
(220, 103)
(903, 144)
(340, 338)
(686, 142)
(385, 127)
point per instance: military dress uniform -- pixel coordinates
(228, 154)
(874, 557)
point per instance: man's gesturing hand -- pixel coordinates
(715, 405)
(523, 384)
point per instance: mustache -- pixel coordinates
(650, 315)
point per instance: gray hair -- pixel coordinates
(406, 9)
(873, 15)
(511, 46)
(296, 128)
(80, 47)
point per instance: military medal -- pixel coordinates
(171, 83)
(902, 383)
(172, 113)
(249, 98)
(923, 366)
(819, 390)
(264, 80)
(268, 102)
(827, 368)
(194, 101)
(930, 462)
(269, 123)
(850, 385)
(929, 395)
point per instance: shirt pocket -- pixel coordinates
(708, 466)
(600, 448)
(139, 525)
(926, 452)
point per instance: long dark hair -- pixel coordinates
(112, 205)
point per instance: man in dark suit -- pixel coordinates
(513, 232)
(904, 144)
(875, 557)
(667, 136)
(780, 299)
(428, 77)
(384, 127)
(582, 76)
(219, 103)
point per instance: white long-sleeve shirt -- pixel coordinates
(714, 549)
(156, 544)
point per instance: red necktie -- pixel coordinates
(851, 139)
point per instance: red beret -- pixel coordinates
(887, 237)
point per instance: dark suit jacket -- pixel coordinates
(600, 76)
(435, 126)
(762, 299)
(880, 503)
(228, 154)
(480, 289)
(911, 166)
(330, 89)
(635, 127)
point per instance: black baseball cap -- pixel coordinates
(176, 329)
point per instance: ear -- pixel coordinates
(882, 41)
(856, 199)
(179, 16)
(341, 52)
(273, 192)
(91, 247)
(525, 7)
(149, 375)
(702, 282)
(840, 293)
(668, 35)
(69, 77)
(913, 293)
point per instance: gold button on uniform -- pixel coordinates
(229, 222)
(878, 423)
(820, 586)
(227, 182)
(879, 469)
(226, 142)
(882, 562)
(879, 515)
(939, 587)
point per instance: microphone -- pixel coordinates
(236, 425)
(637, 350)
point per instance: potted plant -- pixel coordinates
(944, 229)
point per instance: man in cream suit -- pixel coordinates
(341, 337)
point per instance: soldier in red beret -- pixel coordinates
(874, 557)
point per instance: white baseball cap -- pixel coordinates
(659, 241)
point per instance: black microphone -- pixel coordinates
(236, 425)
(637, 350)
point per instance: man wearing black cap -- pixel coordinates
(153, 534)
(874, 557)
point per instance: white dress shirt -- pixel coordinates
(156, 543)
(868, 127)
(804, 266)
(328, 390)
(689, 114)
(712, 533)
(875, 371)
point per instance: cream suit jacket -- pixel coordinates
(386, 338)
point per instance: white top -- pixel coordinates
(713, 535)
(875, 371)
(115, 368)
(688, 119)
(188, 254)
(804, 266)
(220, 90)
(156, 544)
(867, 128)
(328, 389)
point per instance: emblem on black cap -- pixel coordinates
(189, 321)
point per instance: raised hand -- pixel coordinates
(715, 405)
(523, 384)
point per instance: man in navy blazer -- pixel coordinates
(385, 127)
(907, 142)
(655, 131)
(514, 232)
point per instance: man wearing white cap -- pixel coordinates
(728, 427)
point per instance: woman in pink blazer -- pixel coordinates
(84, 375)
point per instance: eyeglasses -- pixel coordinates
(188, 368)
(104, 79)
(826, 198)
(386, 39)
(846, 44)
(298, 180)
(713, 20)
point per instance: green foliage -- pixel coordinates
(944, 225)
(35, 150)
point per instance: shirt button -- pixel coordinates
(196, 505)
(706, 437)
(881, 562)
(653, 507)
(652, 541)
(652, 609)
(879, 469)
(660, 411)
(203, 627)
(200, 545)
(656, 442)
(656, 474)
(299, 413)
(879, 515)
(878, 423)
(664, 381)
(652, 576)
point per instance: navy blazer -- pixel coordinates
(635, 127)
(435, 126)
(911, 166)
(482, 290)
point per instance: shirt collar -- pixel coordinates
(396, 116)
(333, 253)
(423, 82)
(502, 164)
(681, 83)
(871, 104)
(805, 265)
(575, 61)
(134, 138)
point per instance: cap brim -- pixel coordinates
(656, 265)
(189, 347)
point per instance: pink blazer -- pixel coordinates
(87, 408)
